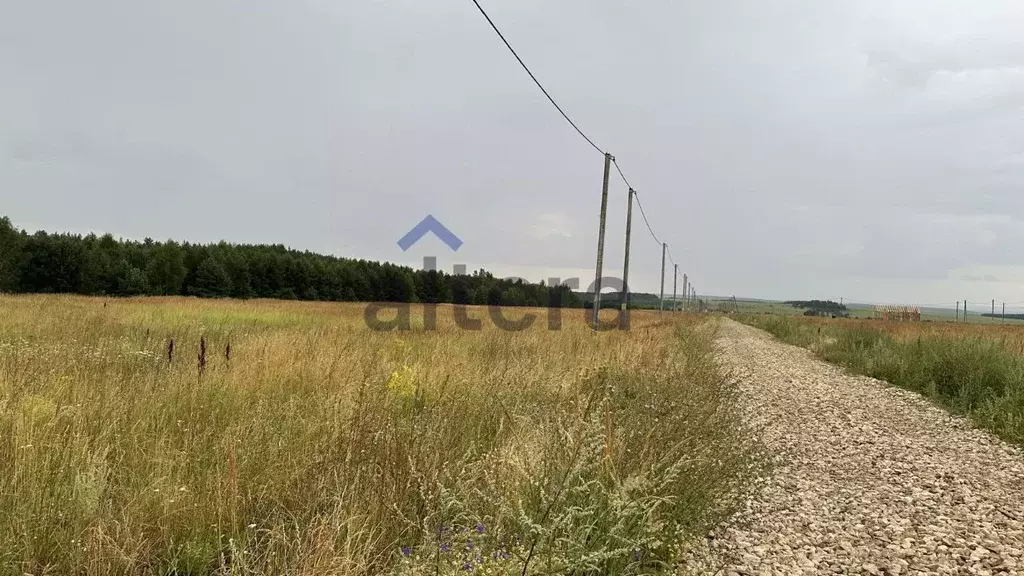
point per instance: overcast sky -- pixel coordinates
(869, 149)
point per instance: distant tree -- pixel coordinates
(129, 280)
(52, 264)
(237, 267)
(10, 255)
(211, 280)
(433, 287)
(166, 271)
(105, 265)
(397, 284)
(98, 271)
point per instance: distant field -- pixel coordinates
(862, 311)
(759, 307)
(319, 446)
(975, 369)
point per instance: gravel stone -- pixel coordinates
(866, 478)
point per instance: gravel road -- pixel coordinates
(868, 478)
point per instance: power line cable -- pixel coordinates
(534, 78)
(642, 213)
(571, 123)
(621, 175)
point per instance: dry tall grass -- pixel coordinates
(972, 369)
(316, 446)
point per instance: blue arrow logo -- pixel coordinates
(429, 224)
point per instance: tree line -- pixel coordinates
(103, 265)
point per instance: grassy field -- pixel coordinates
(971, 369)
(319, 446)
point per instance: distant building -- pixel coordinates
(898, 313)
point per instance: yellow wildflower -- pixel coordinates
(402, 383)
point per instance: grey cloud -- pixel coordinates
(787, 149)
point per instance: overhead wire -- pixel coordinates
(574, 125)
(534, 78)
(621, 175)
(647, 222)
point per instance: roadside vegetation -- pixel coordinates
(315, 446)
(975, 370)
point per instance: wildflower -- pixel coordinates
(402, 383)
(467, 566)
(479, 528)
(406, 551)
(469, 544)
(446, 547)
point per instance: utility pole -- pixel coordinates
(1004, 312)
(965, 310)
(957, 311)
(675, 278)
(686, 293)
(993, 307)
(661, 305)
(624, 316)
(600, 239)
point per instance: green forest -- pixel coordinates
(103, 265)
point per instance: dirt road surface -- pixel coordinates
(868, 478)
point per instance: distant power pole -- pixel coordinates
(600, 239)
(675, 278)
(958, 311)
(993, 307)
(1004, 312)
(624, 316)
(965, 311)
(661, 305)
(686, 293)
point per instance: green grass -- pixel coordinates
(967, 371)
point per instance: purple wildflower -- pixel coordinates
(480, 528)
(469, 544)
(406, 551)
(446, 547)
(467, 566)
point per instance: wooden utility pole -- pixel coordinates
(686, 293)
(993, 307)
(661, 306)
(965, 311)
(958, 311)
(675, 278)
(624, 316)
(600, 239)
(1004, 312)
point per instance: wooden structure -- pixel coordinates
(898, 313)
